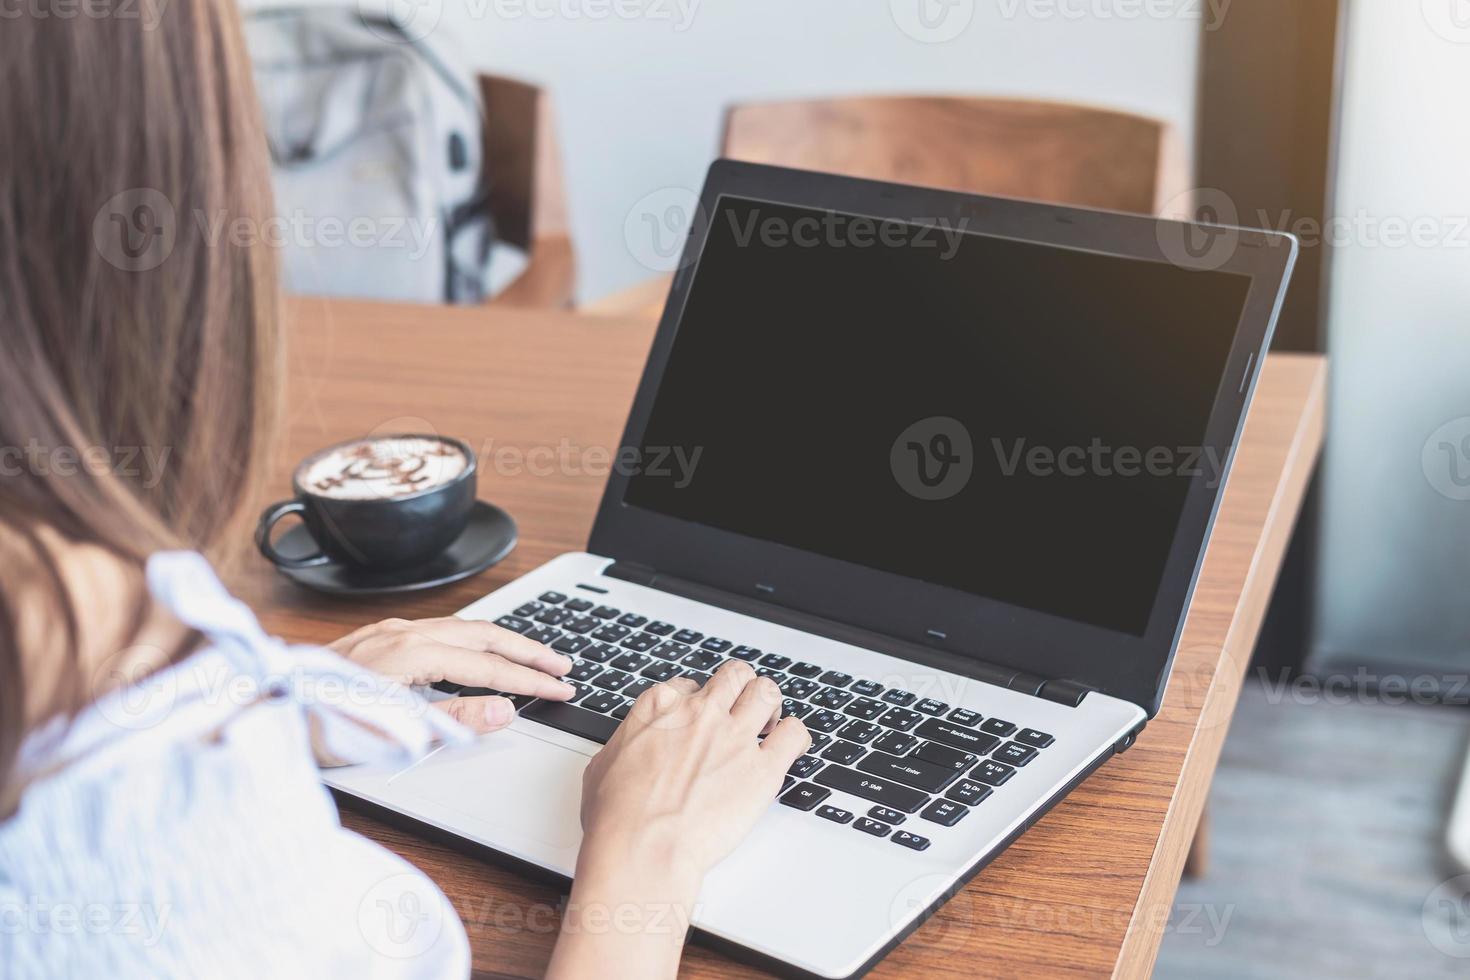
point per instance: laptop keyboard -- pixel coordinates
(904, 754)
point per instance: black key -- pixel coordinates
(901, 698)
(1014, 753)
(688, 636)
(836, 678)
(745, 653)
(543, 634)
(529, 609)
(825, 721)
(631, 661)
(571, 644)
(447, 687)
(866, 709)
(945, 812)
(830, 697)
(943, 755)
(659, 628)
(581, 624)
(579, 691)
(1032, 737)
(660, 672)
(955, 737)
(869, 788)
(996, 726)
(819, 739)
(901, 718)
(583, 670)
(804, 669)
(701, 660)
(796, 687)
(872, 827)
(804, 796)
(715, 645)
(775, 661)
(804, 767)
(894, 743)
(554, 616)
(611, 633)
(632, 619)
(601, 701)
(910, 840)
(791, 706)
(968, 793)
(834, 814)
(844, 753)
(699, 678)
(886, 815)
(868, 689)
(932, 707)
(965, 716)
(612, 680)
(994, 773)
(772, 673)
(569, 718)
(669, 650)
(786, 783)
(476, 692)
(621, 711)
(514, 623)
(606, 612)
(576, 605)
(600, 653)
(636, 688)
(640, 642)
(914, 772)
(859, 731)
(553, 597)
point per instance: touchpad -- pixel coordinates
(507, 787)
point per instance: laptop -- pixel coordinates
(942, 466)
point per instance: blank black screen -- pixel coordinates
(804, 355)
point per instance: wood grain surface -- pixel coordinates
(543, 397)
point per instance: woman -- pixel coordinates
(159, 808)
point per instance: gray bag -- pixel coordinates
(376, 145)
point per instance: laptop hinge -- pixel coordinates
(1062, 692)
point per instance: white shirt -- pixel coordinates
(148, 847)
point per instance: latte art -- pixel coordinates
(394, 466)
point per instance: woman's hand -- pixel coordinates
(469, 652)
(676, 789)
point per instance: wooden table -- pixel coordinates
(1087, 891)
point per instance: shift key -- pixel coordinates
(882, 791)
(923, 775)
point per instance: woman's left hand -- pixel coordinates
(469, 652)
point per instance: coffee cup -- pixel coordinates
(383, 503)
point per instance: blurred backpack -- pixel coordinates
(376, 149)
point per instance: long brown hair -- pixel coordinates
(130, 333)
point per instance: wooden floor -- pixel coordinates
(1326, 841)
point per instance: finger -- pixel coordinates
(725, 686)
(479, 714)
(476, 634)
(758, 707)
(786, 743)
(429, 662)
(684, 685)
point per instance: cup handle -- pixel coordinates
(268, 520)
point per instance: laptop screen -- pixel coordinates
(1013, 420)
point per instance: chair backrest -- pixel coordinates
(521, 155)
(1045, 151)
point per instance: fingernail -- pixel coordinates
(567, 689)
(499, 711)
(566, 663)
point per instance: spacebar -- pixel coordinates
(570, 718)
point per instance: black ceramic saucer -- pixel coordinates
(489, 537)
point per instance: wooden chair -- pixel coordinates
(1045, 151)
(527, 196)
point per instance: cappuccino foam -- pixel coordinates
(393, 466)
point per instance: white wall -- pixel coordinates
(1395, 561)
(641, 100)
